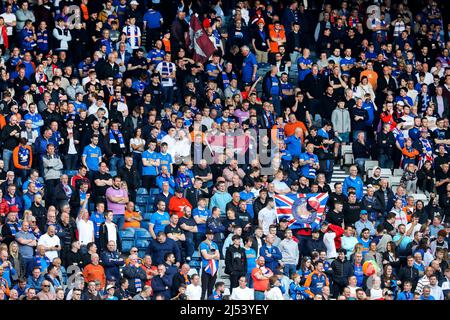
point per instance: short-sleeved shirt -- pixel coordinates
(159, 221)
(247, 67)
(205, 246)
(25, 250)
(92, 155)
(307, 170)
(153, 19)
(202, 213)
(117, 208)
(165, 160)
(173, 230)
(150, 170)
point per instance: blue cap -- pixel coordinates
(363, 212)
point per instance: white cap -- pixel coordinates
(134, 2)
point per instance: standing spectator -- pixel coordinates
(117, 198)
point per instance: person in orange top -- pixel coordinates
(410, 208)
(166, 41)
(94, 271)
(2, 121)
(289, 128)
(277, 132)
(409, 153)
(260, 276)
(371, 75)
(132, 218)
(149, 268)
(23, 156)
(277, 37)
(177, 203)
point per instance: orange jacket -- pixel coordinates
(410, 154)
(16, 157)
(176, 204)
(274, 37)
(93, 273)
(289, 129)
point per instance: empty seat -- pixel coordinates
(127, 233)
(154, 191)
(394, 181)
(147, 216)
(145, 224)
(141, 243)
(142, 233)
(141, 200)
(385, 172)
(127, 245)
(398, 172)
(142, 191)
(420, 196)
(370, 164)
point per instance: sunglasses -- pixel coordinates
(46, 286)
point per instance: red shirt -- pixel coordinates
(176, 206)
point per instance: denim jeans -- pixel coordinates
(7, 159)
(386, 161)
(71, 161)
(119, 219)
(360, 164)
(289, 270)
(249, 280)
(115, 163)
(167, 95)
(259, 295)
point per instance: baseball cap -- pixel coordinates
(179, 190)
(363, 212)
(284, 220)
(110, 286)
(14, 209)
(134, 2)
(209, 231)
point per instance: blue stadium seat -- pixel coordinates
(147, 215)
(127, 245)
(71, 173)
(154, 191)
(141, 243)
(149, 208)
(145, 224)
(142, 234)
(141, 200)
(113, 173)
(127, 234)
(142, 191)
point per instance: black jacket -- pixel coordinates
(409, 274)
(131, 176)
(103, 237)
(193, 195)
(162, 285)
(177, 280)
(379, 194)
(341, 271)
(235, 261)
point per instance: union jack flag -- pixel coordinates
(211, 267)
(294, 208)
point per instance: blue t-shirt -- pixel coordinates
(92, 155)
(302, 73)
(153, 19)
(211, 68)
(307, 170)
(205, 246)
(165, 160)
(159, 221)
(150, 170)
(251, 259)
(202, 213)
(97, 219)
(247, 67)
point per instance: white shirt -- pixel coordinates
(48, 241)
(85, 231)
(242, 294)
(266, 217)
(274, 294)
(416, 228)
(436, 292)
(9, 18)
(328, 240)
(193, 292)
(112, 232)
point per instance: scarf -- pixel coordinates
(112, 138)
